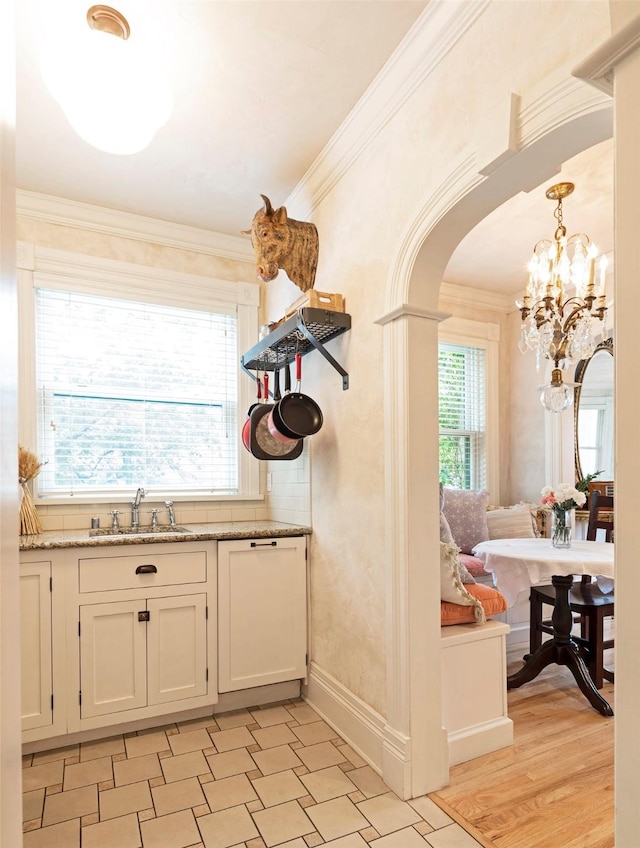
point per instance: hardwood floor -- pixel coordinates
(554, 786)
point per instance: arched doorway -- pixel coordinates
(468, 194)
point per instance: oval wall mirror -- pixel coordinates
(593, 415)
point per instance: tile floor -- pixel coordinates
(270, 776)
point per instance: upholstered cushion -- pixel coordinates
(473, 565)
(451, 587)
(515, 522)
(445, 531)
(465, 575)
(466, 512)
(493, 603)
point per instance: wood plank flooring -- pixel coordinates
(554, 786)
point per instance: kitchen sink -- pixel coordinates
(139, 531)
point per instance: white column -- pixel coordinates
(415, 758)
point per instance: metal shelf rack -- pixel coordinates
(309, 329)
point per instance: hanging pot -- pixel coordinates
(263, 445)
(284, 436)
(258, 395)
(246, 427)
(297, 415)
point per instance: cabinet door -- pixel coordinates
(177, 648)
(262, 612)
(35, 634)
(113, 674)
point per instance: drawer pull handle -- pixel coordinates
(146, 569)
(264, 544)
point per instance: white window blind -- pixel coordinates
(134, 394)
(462, 416)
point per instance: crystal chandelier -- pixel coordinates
(564, 306)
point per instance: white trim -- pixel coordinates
(111, 222)
(485, 335)
(598, 68)
(407, 309)
(358, 724)
(75, 271)
(479, 739)
(427, 43)
(415, 757)
(52, 268)
(461, 295)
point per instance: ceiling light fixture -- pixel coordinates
(114, 95)
(563, 307)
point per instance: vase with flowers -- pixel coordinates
(561, 501)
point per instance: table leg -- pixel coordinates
(562, 650)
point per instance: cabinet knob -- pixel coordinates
(146, 569)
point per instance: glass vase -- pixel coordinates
(561, 529)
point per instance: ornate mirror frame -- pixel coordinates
(581, 369)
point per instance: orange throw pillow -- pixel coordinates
(493, 603)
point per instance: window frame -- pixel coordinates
(50, 268)
(485, 336)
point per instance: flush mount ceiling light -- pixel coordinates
(111, 90)
(563, 308)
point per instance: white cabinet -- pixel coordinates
(129, 633)
(145, 642)
(474, 689)
(35, 635)
(262, 612)
(142, 652)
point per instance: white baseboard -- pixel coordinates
(39, 739)
(359, 725)
(479, 739)
(518, 636)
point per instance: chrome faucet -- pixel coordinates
(172, 515)
(135, 508)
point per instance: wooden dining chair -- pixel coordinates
(600, 517)
(588, 603)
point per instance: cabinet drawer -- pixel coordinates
(141, 571)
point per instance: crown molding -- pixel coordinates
(433, 35)
(84, 216)
(407, 310)
(460, 295)
(598, 68)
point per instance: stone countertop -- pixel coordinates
(197, 532)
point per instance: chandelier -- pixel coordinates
(564, 306)
(111, 87)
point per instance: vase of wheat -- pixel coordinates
(28, 467)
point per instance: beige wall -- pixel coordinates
(362, 222)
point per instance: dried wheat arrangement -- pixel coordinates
(28, 467)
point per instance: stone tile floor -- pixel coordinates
(270, 776)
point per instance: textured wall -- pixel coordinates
(362, 221)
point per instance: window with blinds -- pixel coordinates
(462, 416)
(134, 394)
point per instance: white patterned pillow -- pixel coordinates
(451, 587)
(466, 512)
(515, 522)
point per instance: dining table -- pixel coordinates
(518, 564)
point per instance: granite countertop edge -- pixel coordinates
(197, 533)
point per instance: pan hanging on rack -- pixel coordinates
(297, 415)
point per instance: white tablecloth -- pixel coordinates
(517, 564)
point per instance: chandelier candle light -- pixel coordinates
(564, 306)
